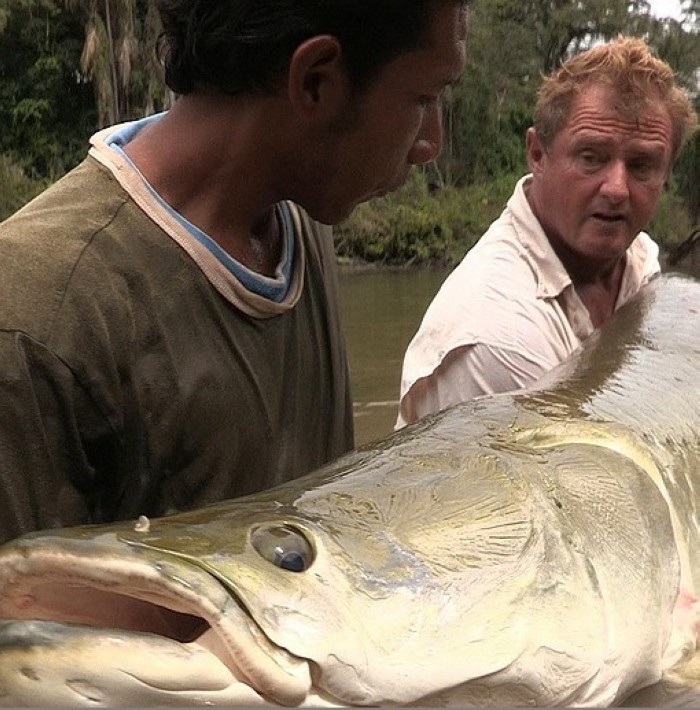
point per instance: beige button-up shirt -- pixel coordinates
(505, 316)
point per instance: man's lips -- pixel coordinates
(610, 218)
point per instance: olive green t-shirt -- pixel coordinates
(131, 384)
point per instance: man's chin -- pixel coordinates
(339, 213)
(384, 191)
(609, 243)
(334, 217)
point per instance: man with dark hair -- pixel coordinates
(169, 331)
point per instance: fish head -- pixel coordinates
(413, 572)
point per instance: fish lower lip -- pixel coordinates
(186, 674)
(174, 606)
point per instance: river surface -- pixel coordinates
(382, 310)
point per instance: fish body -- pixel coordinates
(535, 548)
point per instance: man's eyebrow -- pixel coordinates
(596, 141)
(591, 139)
(651, 151)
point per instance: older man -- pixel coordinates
(568, 250)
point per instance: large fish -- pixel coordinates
(535, 548)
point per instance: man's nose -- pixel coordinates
(615, 181)
(428, 143)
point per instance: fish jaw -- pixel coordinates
(171, 634)
(68, 665)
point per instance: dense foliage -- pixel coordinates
(68, 67)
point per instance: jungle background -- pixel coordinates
(69, 67)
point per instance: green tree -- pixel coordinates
(678, 43)
(493, 101)
(46, 107)
(511, 44)
(119, 57)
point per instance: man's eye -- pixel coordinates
(590, 160)
(639, 168)
(644, 169)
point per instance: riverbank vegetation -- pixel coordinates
(69, 67)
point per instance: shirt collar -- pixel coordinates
(551, 276)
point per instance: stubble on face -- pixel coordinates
(369, 147)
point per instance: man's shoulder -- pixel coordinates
(484, 306)
(66, 215)
(496, 268)
(48, 249)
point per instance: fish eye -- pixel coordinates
(284, 546)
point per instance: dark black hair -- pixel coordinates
(243, 46)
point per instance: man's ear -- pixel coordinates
(534, 151)
(317, 81)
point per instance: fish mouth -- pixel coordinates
(149, 623)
